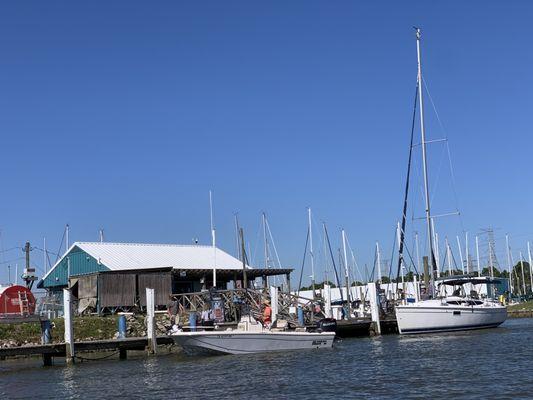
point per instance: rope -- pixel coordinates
(96, 359)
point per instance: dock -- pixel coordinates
(49, 351)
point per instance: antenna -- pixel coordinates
(101, 235)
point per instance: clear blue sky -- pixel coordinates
(124, 114)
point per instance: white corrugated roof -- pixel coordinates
(124, 256)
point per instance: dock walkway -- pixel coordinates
(48, 351)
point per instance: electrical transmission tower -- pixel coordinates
(490, 249)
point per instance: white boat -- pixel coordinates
(250, 337)
(442, 312)
(457, 312)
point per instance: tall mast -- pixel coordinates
(509, 266)
(424, 161)
(448, 257)
(311, 251)
(530, 267)
(399, 238)
(379, 262)
(346, 274)
(466, 254)
(213, 239)
(460, 254)
(477, 256)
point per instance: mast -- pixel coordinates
(466, 254)
(448, 256)
(45, 254)
(417, 253)
(523, 277)
(509, 267)
(478, 260)
(213, 240)
(399, 237)
(460, 254)
(432, 264)
(530, 267)
(346, 274)
(67, 234)
(379, 262)
(311, 251)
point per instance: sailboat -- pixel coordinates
(462, 310)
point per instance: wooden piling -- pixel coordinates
(150, 320)
(69, 331)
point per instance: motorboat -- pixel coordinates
(462, 310)
(251, 336)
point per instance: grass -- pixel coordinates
(85, 328)
(527, 306)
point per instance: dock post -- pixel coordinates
(46, 331)
(69, 331)
(327, 300)
(150, 321)
(417, 289)
(122, 327)
(374, 306)
(274, 302)
(122, 354)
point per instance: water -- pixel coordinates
(492, 363)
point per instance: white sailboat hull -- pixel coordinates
(235, 342)
(433, 316)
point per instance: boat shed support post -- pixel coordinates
(69, 331)
(274, 302)
(150, 320)
(374, 307)
(288, 283)
(327, 300)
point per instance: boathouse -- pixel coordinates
(108, 277)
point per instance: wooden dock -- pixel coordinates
(49, 351)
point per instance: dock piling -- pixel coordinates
(150, 321)
(374, 305)
(69, 331)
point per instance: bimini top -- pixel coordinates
(462, 279)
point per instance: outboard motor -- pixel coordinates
(326, 325)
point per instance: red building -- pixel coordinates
(16, 300)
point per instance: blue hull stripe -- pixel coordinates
(446, 329)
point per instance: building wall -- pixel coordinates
(81, 263)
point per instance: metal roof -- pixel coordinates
(128, 256)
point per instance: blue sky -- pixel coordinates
(123, 115)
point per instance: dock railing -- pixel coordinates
(237, 301)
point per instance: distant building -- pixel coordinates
(107, 277)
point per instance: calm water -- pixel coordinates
(492, 363)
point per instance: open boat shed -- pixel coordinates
(110, 277)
